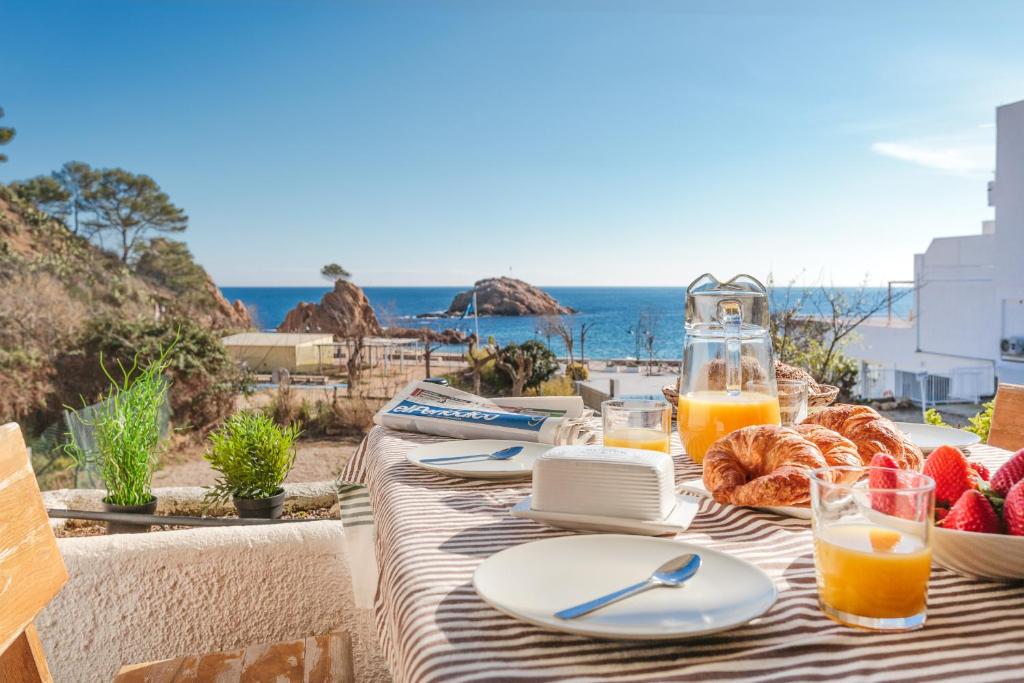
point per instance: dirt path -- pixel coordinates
(315, 460)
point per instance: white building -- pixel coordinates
(967, 333)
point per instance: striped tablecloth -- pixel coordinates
(433, 531)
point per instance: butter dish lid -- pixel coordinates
(605, 456)
(610, 482)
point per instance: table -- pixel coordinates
(433, 531)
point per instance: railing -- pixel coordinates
(964, 384)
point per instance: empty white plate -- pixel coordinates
(517, 467)
(534, 580)
(697, 487)
(929, 437)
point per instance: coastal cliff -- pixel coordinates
(64, 300)
(507, 296)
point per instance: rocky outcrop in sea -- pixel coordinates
(507, 296)
(344, 311)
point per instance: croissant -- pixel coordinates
(871, 433)
(764, 465)
(837, 450)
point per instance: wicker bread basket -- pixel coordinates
(818, 395)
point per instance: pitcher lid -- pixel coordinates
(708, 301)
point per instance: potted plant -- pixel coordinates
(253, 456)
(126, 426)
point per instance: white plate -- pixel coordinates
(517, 467)
(696, 487)
(929, 437)
(677, 521)
(534, 580)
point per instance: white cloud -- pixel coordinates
(964, 159)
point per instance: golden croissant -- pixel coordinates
(871, 433)
(767, 465)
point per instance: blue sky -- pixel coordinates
(569, 143)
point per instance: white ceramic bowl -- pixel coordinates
(986, 556)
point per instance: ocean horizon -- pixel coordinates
(613, 311)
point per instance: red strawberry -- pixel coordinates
(980, 470)
(883, 479)
(1009, 474)
(948, 467)
(1013, 510)
(973, 512)
(940, 514)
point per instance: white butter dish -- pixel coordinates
(677, 521)
(622, 483)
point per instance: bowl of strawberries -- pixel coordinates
(979, 518)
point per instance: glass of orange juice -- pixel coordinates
(637, 423)
(872, 545)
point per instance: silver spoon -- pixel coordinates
(673, 574)
(503, 454)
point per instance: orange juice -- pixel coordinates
(638, 437)
(707, 416)
(870, 571)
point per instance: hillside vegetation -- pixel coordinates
(64, 301)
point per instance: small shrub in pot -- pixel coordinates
(253, 456)
(126, 427)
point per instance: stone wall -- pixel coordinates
(142, 597)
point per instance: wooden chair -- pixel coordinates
(1007, 429)
(31, 568)
(318, 659)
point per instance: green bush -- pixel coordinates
(126, 427)
(492, 380)
(577, 372)
(253, 456)
(169, 264)
(206, 380)
(839, 370)
(545, 364)
(982, 422)
(556, 386)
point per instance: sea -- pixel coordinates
(614, 313)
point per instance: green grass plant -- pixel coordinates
(126, 427)
(253, 456)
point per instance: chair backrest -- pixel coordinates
(31, 568)
(1007, 428)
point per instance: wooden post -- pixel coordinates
(31, 568)
(24, 661)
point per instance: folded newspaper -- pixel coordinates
(431, 408)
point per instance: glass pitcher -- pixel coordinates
(727, 379)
